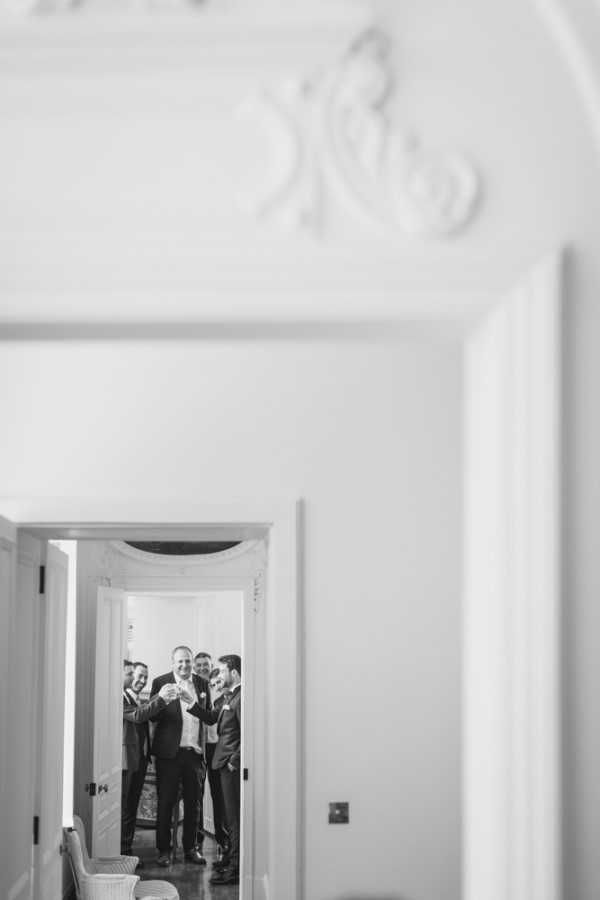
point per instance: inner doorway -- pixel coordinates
(132, 602)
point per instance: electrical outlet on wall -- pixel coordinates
(339, 813)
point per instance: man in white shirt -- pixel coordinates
(179, 749)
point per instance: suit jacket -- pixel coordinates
(133, 717)
(229, 729)
(143, 730)
(169, 722)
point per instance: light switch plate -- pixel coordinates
(339, 813)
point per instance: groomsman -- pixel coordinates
(131, 701)
(226, 760)
(203, 668)
(134, 759)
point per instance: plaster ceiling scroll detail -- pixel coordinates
(334, 129)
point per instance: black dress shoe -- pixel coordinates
(227, 876)
(164, 860)
(195, 856)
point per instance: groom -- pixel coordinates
(226, 759)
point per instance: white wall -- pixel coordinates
(106, 215)
(369, 435)
(206, 622)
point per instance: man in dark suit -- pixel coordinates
(135, 731)
(203, 667)
(179, 747)
(227, 758)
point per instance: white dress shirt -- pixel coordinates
(211, 730)
(190, 732)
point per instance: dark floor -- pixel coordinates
(190, 880)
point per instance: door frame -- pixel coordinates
(278, 524)
(511, 634)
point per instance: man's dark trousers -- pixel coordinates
(125, 788)
(186, 766)
(230, 785)
(216, 793)
(130, 803)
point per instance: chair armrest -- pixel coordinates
(118, 865)
(108, 887)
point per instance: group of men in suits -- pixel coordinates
(195, 731)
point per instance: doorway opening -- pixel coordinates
(138, 604)
(36, 577)
(210, 623)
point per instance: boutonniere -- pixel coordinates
(203, 696)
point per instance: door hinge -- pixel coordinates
(36, 830)
(245, 774)
(42, 589)
(91, 788)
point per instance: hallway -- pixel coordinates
(190, 880)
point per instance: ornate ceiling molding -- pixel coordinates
(334, 129)
(188, 561)
(233, 15)
(27, 7)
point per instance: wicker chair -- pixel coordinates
(107, 865)
(112, 886)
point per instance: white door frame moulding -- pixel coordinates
(511, 619)
(278, 521)
(511, 616)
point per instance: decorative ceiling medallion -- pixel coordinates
(334, 128)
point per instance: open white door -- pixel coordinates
(20, 558)
(48, 866)
(111, 634)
